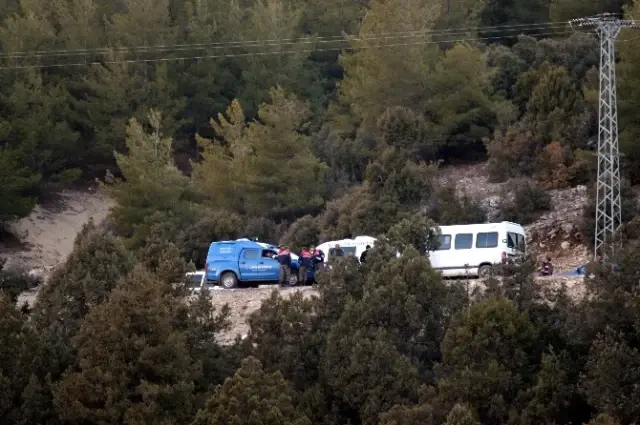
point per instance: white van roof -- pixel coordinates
(484, 226)
(358, 240)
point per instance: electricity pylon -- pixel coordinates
(608, 210)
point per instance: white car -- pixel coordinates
(196, 281)
(350, 247)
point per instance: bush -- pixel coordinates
(448, 208)
(553, 172)
(523, 201)
(303, 232)
(629, 207)
(15, 281)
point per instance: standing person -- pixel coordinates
(306, 262)
(284, 259)
(337, 251)
(318, 256)
(363, 256)
(317, 260)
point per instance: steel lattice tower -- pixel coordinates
(608, 210)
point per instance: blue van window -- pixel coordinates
(250, 254)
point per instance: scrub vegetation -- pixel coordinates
(299, 141)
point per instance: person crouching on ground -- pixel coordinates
(306, 262)
(284, 259)
(547, 268)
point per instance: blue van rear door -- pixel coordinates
(248, 264)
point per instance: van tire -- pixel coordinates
(229, 280)
(485, 271)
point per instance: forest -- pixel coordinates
(299, 121)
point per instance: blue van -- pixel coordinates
(230, 263)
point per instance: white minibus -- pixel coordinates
(473, 249)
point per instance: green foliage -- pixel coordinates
(459, 102)
(252, 396)
(604, 419)
(347, 143)
(239, 174)
(386, 341)
(628, 74)
(16, 181)
(629, 210)
(195, 239)
(38, 127)
(375, 79)
(523, 201)
(134, 366)
(86, 280)
(448, 207)
(461, 415)
(418, 233)
(615, 366)
(153, 190)
(479, 372)
(15, 282)
(303, 232)
(274, 20)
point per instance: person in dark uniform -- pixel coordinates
(306, 262)
(317, 258)
(363, 256)
(284, 258)
(337, 251)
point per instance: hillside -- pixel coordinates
(48, 234)
(555, 232)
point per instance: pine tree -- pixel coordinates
(153, 189)
(240, 174)
(16, 183)
(134, 365)
(378, 78)
(252, 397)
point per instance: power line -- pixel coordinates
(291, 41)
(269, 53)
(608, 201)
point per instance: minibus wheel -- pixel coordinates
(485, 270)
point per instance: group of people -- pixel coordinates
(310, 258)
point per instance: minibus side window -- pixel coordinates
(464, 241)
(444, 242)
(487, 240)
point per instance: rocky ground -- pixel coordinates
(555, 233)
(47, 237)
(243, 302)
